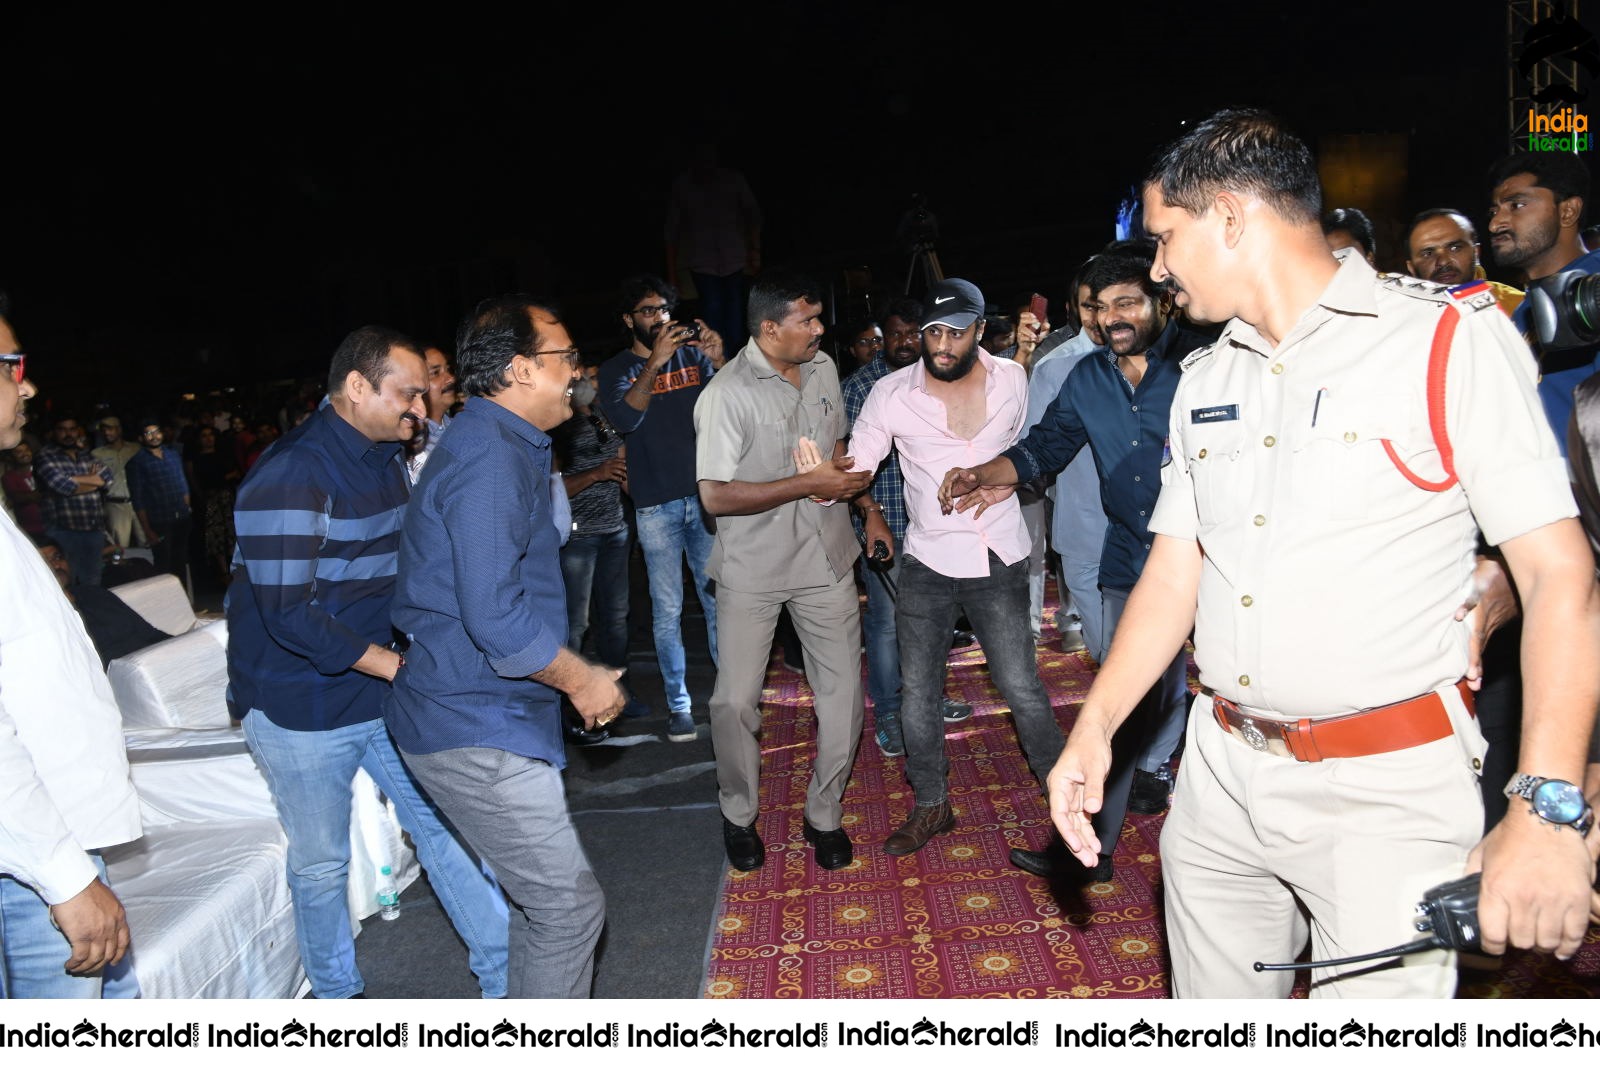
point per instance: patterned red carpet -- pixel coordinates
(956, 919)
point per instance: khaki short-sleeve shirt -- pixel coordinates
(1330, 580)
(747, 423)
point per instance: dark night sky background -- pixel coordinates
(215, 198)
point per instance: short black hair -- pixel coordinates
(44, 541)
(1439, 213)
(772, 294)
(1121, 267)
(1564, 175)
(1080, 278)
(861, 326)
(1353, 221)
(498, 329)
(639, 286)
(905, 308)
(366, 351)
(1246, 149)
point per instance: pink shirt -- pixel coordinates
(899, 413)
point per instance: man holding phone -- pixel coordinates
(648, 393)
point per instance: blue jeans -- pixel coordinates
(33, 952)
(882, 640)
(594, 568)
(1147, 739)
(309, 774)
(82, 549)
(1082, 579)
(997, 607)
(668, 533)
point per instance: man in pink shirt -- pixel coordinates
(957, 407)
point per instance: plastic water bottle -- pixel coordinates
(388, 895)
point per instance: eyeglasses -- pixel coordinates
(573, 356)
(653, 311)
(875, 342)
(19, 363)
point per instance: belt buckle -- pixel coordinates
(1252, 735)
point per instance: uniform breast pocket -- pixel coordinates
(1213, 455)
(773, 451)
(1342, 470)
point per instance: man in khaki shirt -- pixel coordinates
(778, 543)
(1312, 530)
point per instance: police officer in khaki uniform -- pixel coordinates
(1317, 526)
(777, 544)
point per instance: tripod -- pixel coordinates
(924, 256)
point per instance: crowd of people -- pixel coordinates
(1244, 436)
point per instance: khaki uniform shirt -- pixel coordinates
(1330, 581)
(747, 423)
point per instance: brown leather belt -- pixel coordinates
(1363, 733)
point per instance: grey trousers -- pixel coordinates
(513, 811)
(828, 620)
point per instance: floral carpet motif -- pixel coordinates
(956, 920)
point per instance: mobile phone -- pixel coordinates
(693, 329)
(1040, 308)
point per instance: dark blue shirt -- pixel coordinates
(661, 437)
(1127, 430)
(157, 484)
(480, 595)
(318, 521)
(1556, 386)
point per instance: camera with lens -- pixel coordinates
(691, 330)
(1564, 310)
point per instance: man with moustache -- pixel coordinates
(64, 786)
(160, 491)
(885, 503)
(783, 539)
(648, 391)
(956, 401)
(438, 401)
(1535, 218)
(1442, 247)
(1117, 402)
(476, 709)
(1315, 537)
(73, 484)
(311, 656)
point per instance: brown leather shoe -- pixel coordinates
(925, 823)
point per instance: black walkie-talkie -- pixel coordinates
(1448, 912)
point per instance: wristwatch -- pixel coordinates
(1557, 802)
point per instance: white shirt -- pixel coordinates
(64, 785)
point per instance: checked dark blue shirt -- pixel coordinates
(888, 485)
(318, 520)
(481, 596)
(1127, 431)
(157, 483)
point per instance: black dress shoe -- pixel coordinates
(745, 850)
(579, 736)
(1151, 793)
(1055, 863)
(832, 847)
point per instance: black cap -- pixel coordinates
(954, 302)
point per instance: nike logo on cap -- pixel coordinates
(942, 299)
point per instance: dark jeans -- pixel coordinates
(170, 551)
(722, 305)
(595, 570)
(997, 607)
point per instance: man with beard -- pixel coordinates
(1442, 247)
(956, 402)
(73, 485)
(885, 503)
(1117, 402)
(160, 493)
(778, 544)
(1315, 537)
(1535, 217)
(648, 393)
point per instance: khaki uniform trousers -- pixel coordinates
(828, 620)
(1259, 848)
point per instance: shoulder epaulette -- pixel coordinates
(1196, 356)
(1415, 287)
(1475, 296)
